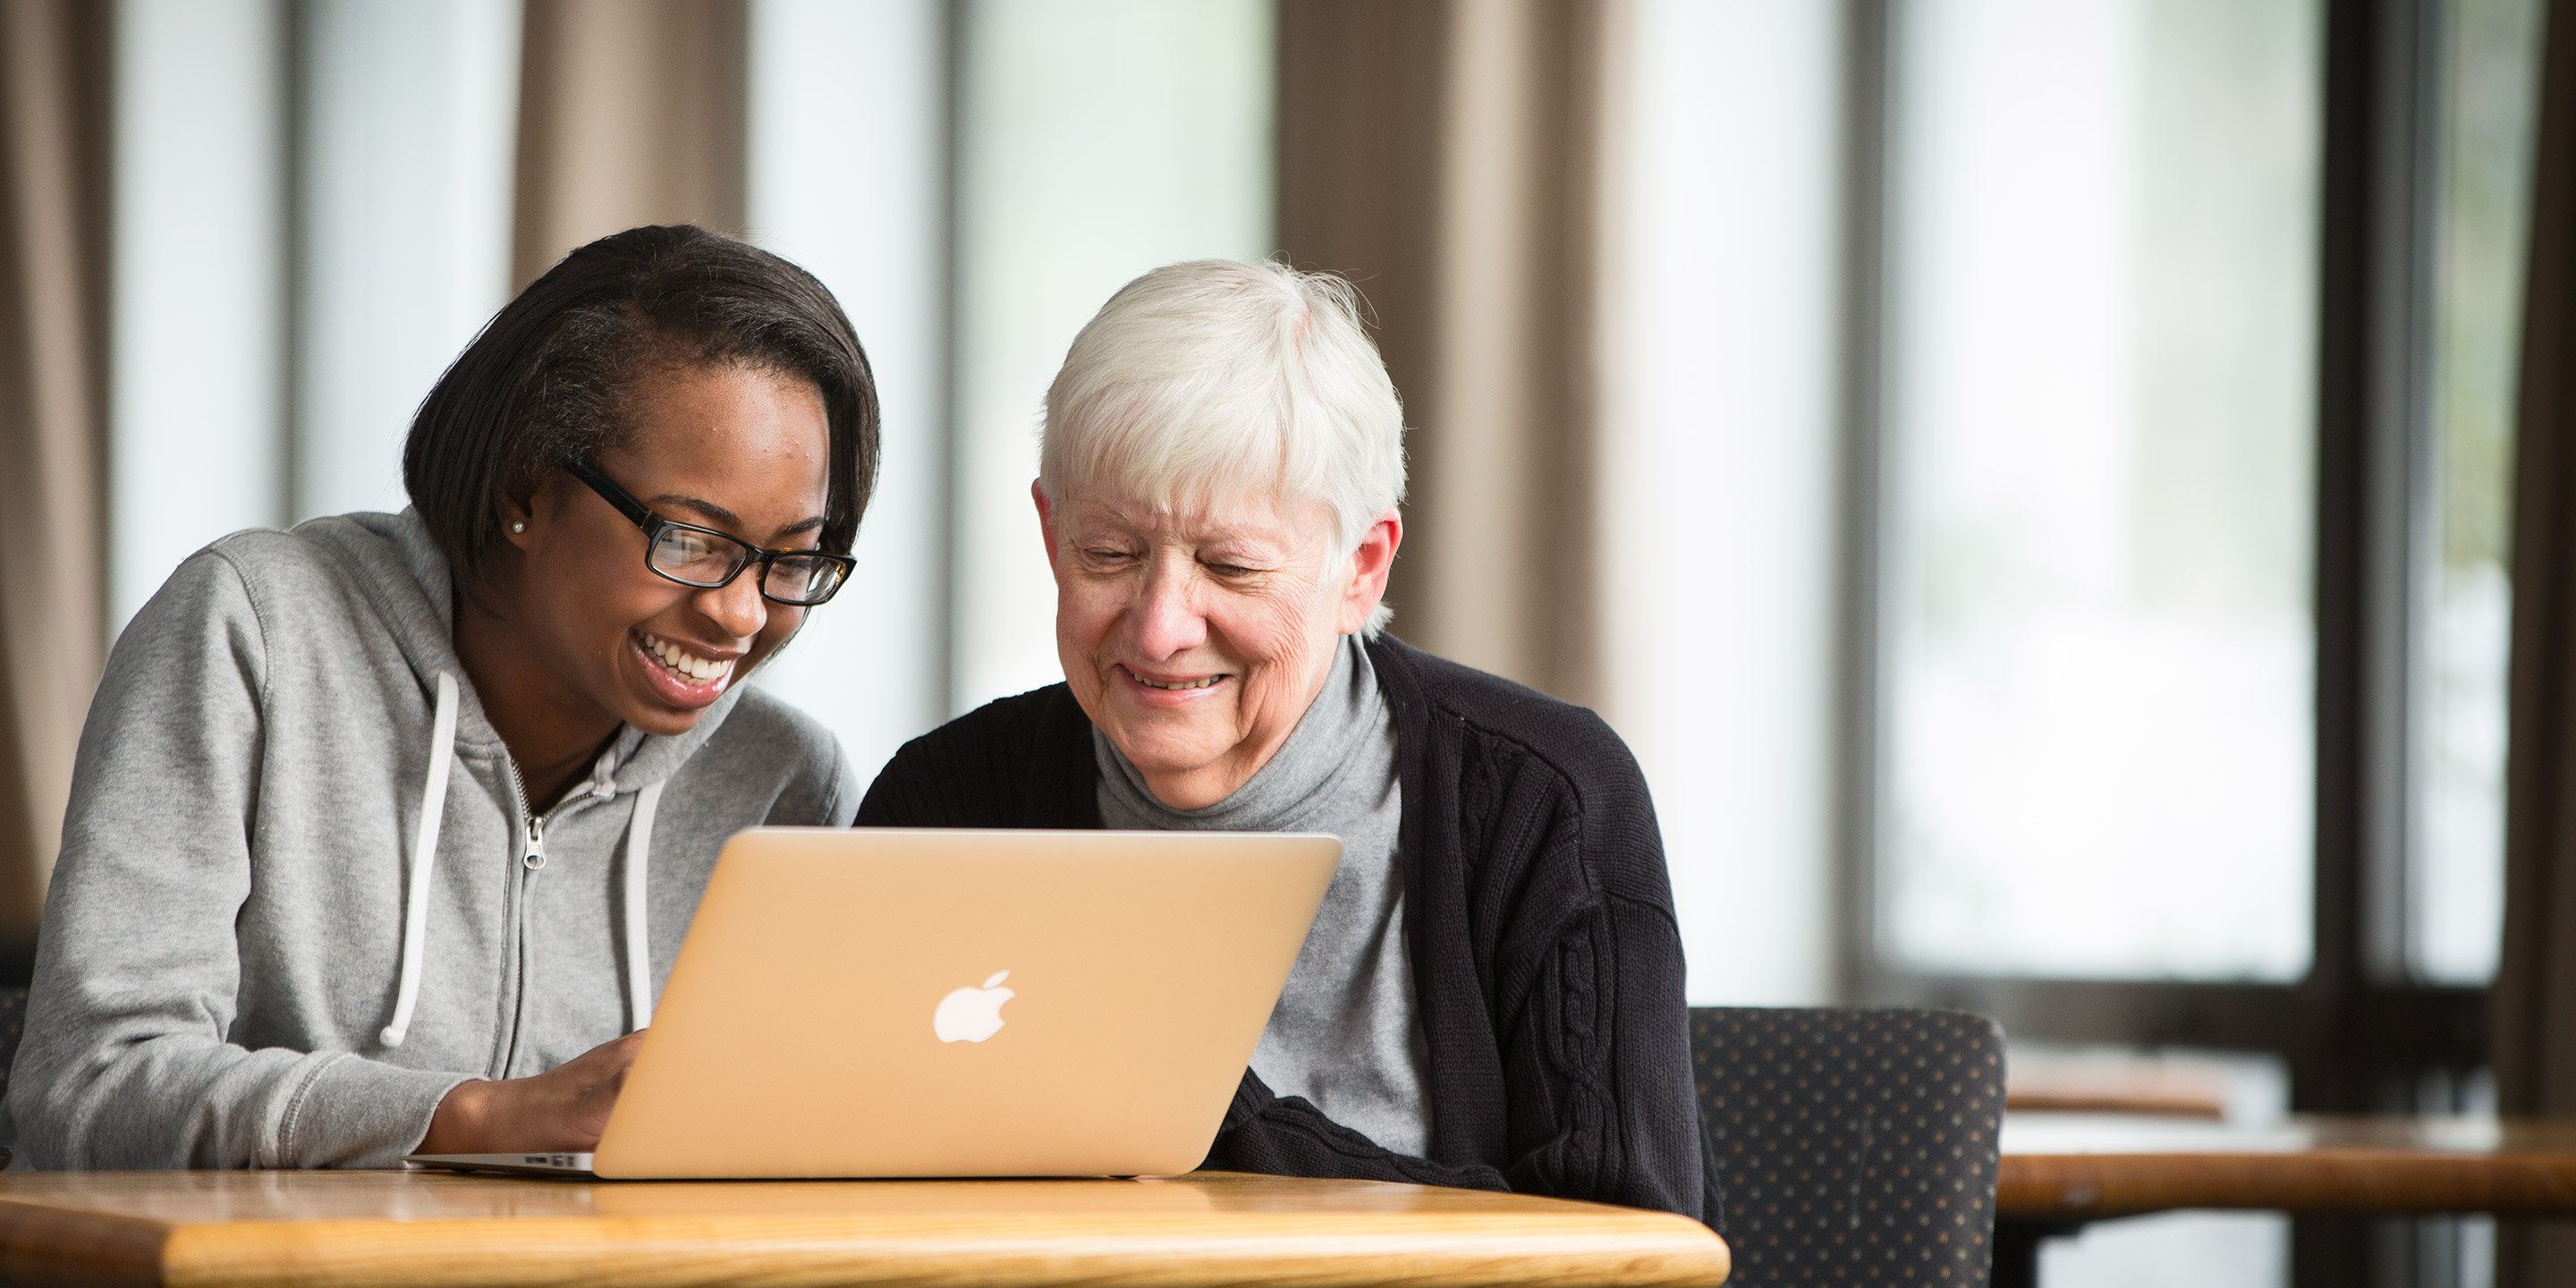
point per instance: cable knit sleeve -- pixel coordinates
(1599, 1067)
(1590, 1018)
(1278, 1135)
(1568, 915)
(1545, 945)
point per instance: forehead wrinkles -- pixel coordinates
(1295, 528)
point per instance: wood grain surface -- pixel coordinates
(2081, 1166)
(325, 1229)
(2124, 1084)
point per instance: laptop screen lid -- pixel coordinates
(897, 1002)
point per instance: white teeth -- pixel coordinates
(683, 661)
(1183, 684)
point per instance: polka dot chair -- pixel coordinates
(1856, 1146)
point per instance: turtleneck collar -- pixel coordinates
(1289, 791)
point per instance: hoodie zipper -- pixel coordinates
(532, 860)
(532, 856)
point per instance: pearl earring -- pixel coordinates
(518, 527)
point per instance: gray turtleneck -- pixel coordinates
(1344, 1034)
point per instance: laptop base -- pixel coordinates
(514, 1164)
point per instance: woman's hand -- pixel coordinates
(562, 1110)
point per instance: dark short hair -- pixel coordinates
(546, 383)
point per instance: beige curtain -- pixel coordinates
(2534, 1017)
(630, 112)
(53, 288)
(1447, 156)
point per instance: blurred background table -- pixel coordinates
(2121, 1082)
(317, 1229)
(2061, 1170)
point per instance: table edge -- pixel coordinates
(2337, 1179)
(75, 1246)
(1612, 1246)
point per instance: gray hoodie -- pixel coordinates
(243, 962)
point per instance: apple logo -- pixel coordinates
(972, 1014)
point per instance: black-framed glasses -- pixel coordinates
(707, 559)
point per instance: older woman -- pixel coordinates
(1491, 995)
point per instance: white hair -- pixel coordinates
(1216, 379)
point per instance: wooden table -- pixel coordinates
(2084, 1166)
(316, 1229)
(2061, 1170)
(2121, 1084)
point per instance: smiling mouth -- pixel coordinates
(690, 669)
(1176, 685)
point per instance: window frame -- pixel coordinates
(2356, 1033)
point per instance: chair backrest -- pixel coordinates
(13, 1026)
(1856, 1146)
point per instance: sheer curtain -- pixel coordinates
(1449, 158)
(53, 281)
(2534, 1024)
(630, 112)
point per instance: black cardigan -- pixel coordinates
(1547, 967)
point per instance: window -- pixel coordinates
(196, 361)
(1721, 670)
(407, 117)
(2187, 448)
(1095, 143)
(994, 171)
(847, 176)
(2098, 463)
(2174, 590)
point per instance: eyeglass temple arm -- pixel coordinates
(608, 491)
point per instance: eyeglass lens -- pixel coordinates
(803, 579)
(702, 559)
(696, 557)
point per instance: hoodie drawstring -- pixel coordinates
(639, 955)
(424, 851)
(424, 854)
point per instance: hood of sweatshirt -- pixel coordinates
(404, 576)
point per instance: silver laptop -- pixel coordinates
(883, 1002)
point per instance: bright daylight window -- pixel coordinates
(2097, 465)
(1096, 142)
(2455, 897)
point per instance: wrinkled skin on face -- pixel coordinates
(1196, 640)
(574, 635)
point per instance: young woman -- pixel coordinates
(385, 829)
